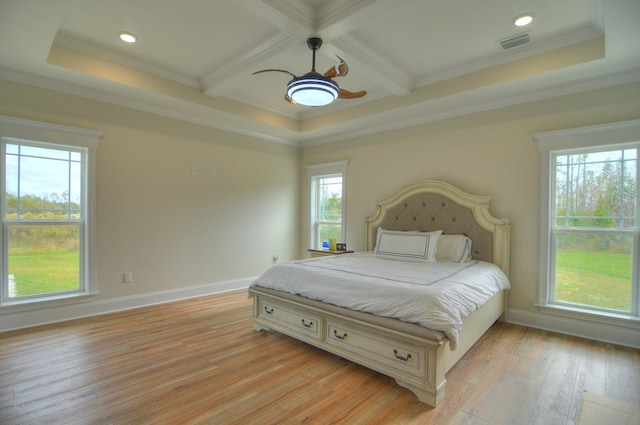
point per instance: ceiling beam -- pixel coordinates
(337, 17)
(333, 22)
(371, 64)
(232, 74)
(294, 17)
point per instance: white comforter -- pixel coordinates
(435, 295)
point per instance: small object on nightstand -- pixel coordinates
(325, 252)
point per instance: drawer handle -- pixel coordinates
(399, 357)
(268, 310)
(343, 336)
(306, 325)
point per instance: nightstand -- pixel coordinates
(325, 252)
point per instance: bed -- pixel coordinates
(415, 355)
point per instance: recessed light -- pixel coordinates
(523, 19)
(127, 37)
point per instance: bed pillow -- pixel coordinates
(453, 249)
(409, 246)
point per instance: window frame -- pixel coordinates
(609, 136)
(317, 172)
(41, 134)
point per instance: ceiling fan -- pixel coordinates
(313, 88)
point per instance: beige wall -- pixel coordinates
(174, 230)
(491, 153)
(157, 220)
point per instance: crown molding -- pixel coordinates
(422, 113)
(442, 109)
(162, 106)
(511, 55)
(112, 56)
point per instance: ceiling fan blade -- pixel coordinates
(274, 70)
(338, 70)
(289, 99)
(346, 94)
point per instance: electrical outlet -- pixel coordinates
(276, 258)
(127, 277)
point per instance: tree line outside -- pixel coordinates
(330, 208)
(331, 211)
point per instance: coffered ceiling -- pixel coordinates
(419, 60)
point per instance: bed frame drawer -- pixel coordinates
(415, 363)
(292, 318)
(379, 348)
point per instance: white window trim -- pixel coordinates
(70, 136)
(583, 137)
(327, 168)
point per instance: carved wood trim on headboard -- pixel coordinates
(435, 205)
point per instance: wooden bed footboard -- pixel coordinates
(417, 363)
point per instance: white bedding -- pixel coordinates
(435, 295)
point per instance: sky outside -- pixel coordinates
(42, 172)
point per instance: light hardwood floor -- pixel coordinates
(200, 362)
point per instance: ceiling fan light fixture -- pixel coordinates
(313, 90)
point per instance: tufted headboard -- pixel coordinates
(434, 205)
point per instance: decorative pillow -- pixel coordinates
(410, 246)
(453, 249)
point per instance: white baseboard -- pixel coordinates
(619, 335)
(35, 317)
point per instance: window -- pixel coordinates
(46, 212)
(327, 208)
(590, 220)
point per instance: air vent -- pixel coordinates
(518, 40)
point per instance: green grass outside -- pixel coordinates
(598, 279)
(590, 278)
(43, 273)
